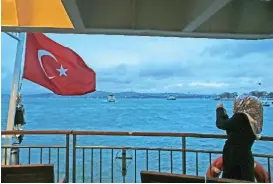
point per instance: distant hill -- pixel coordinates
(104, 94)
(258, 94)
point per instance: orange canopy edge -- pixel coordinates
(34, 13)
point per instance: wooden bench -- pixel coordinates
(160, 177)
(40, 173)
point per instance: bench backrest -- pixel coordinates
(160, 177)
(40, 173)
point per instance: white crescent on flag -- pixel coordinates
(45, 53)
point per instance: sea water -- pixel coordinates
(145, 115)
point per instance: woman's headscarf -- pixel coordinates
(253, 108)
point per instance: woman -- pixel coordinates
(242, 129)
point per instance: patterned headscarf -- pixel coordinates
(253, 108)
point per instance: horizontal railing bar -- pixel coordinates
(33, 146)
(262, 155)
(164, 134)
(152, 134)
(125, 147)
(109, 133)
(35, 132)
(163, 149)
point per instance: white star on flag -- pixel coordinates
(62, 71)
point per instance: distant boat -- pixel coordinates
(217, 98)
(227, 99)
(171, 98)
(266, 104)
(111, 98)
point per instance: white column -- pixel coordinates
(14, 92)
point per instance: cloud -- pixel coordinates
(208, 84)
(163, 70)
(238, 49)
(151, 64)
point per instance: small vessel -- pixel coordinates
(227, 99)
(171, 98)
(266, 104)
(111, 98)
(217, 98)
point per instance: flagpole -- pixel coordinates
(13, 96)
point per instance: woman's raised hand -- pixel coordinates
(219, 105)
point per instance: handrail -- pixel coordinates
(75, 134)
(35, 132)
(120, 133)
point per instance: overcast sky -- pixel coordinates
(154, 64)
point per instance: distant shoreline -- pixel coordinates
(135, 95)
(121, 96)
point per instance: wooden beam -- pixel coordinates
(133, 20)
(206, 15)
(136, 32)
(73, 13)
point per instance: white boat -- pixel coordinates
(171, 98)
(111, 98)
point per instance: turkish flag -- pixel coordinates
(56, 67)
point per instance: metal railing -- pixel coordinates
(98, 161)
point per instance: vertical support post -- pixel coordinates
(210, 168)
(112, 166)
(147, 160)
(74, 158)
(196, 164)
(124, 170)
(135, 166)
(269, 170)
(184, 159)
(92, 165)
(124, 164)
(67, 158)
(100, 165)
(14, 92)
(14, 156)
(83, 164)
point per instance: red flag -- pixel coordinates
(56, 67)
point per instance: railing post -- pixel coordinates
(210, 168)
(269, 170)
(74, 158)
(184, 160)
(67, 158)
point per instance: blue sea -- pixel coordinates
(146, 115)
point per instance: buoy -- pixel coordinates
(216, 168)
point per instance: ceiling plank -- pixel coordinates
(133, 14)
(206, 15)
(73, 13)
